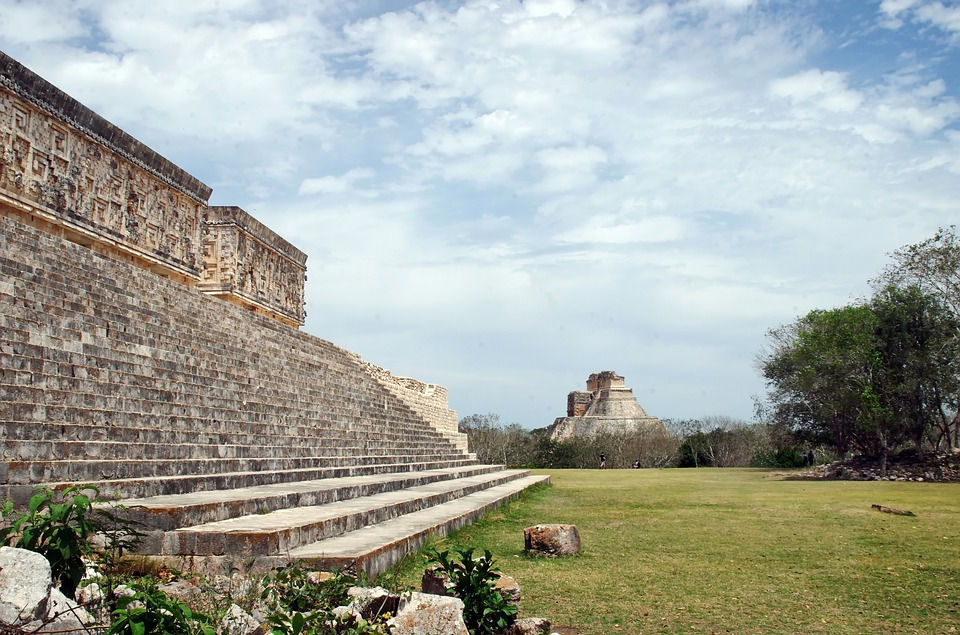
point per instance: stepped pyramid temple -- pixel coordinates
(605, 406)
(150, 347)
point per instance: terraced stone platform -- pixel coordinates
(237, 441)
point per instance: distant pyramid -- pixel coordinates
(605, 406)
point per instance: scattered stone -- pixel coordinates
(319, 577)
(63, 614)
(89, 594)
(906, 466)
(426, 614)
(529, 626)
(891, 510)
(179, 590)
(508, 588)
(24, 585)
(553, 540)
(368, 603)
(435, 581)
(236, 621)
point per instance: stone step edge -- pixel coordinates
(373, 562)
(281, 533)
(336, 553)
(164, 511)
(20, 493)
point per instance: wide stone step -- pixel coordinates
(279, 532)
(140, 487)
(165, 513)
(316, 448)
(85, 470)
(377, 547)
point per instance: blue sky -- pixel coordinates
(504, 197)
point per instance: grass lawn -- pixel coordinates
(731, 550)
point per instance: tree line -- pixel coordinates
(707, 442)
(879, 375)
(875, 377)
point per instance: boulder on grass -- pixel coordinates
(508, 588)
(552, 540)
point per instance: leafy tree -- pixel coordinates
(820, 372)
(919, 345)
(869, 377)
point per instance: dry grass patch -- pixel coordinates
(732, 550)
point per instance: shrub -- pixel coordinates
(150, 611)
(297, 605)
(485, 610)
(58, 525)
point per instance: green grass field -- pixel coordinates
(731, 550)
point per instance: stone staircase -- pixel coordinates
(235, 440)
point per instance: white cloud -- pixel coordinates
(335, 184)
(494, 192)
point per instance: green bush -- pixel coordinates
(485, 610)
(58, 525)
(149, 611)
(296, 605)
(781, 457)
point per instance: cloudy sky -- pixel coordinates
(503, 197)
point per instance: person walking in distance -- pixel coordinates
(603, 461)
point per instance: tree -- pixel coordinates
(919, 345)
(934, 266)
(869, 377)
(820, 372)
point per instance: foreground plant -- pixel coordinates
(58, 525)
(485, 610)
(150, 611)
(298, 604)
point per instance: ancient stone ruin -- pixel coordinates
(150, 347)
(605, 406)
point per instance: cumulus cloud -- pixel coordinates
(520, 193)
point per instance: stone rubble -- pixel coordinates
(939, 468)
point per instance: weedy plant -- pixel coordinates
(299, 605)
(485, 610)
(150, 611)
(59, 524)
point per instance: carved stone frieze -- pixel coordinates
(60, 160)
(247, 263)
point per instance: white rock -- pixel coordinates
(63, 614)
(425, 614)
(24, 585)
(238, 621)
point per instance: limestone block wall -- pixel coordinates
(108, 371)
(248, 264)
(64, 166)
(427, 400)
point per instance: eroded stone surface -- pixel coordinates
(24, 585)
(425, 614)
(552, 540)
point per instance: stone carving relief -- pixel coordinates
(64, 172)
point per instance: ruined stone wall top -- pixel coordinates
(248, 264)
(604, 379)
(62, 164)
(42, 93)
(227, 214)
